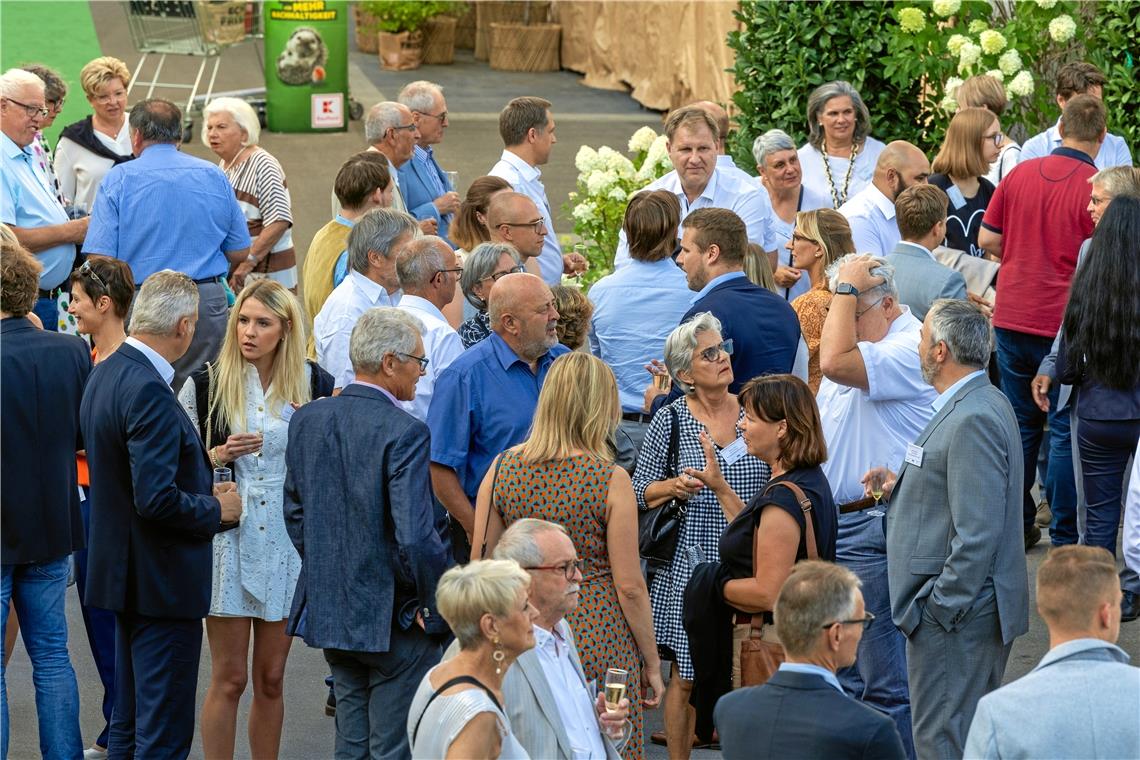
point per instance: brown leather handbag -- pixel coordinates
(761, 653)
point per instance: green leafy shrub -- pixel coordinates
(1114, 31)
(407, 16)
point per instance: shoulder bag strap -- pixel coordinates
(204, 414)
(444, 687)
(674, 441)
(805, 505)
(491, 506)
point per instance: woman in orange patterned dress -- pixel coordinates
(565, 473)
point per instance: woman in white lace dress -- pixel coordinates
(241, 405)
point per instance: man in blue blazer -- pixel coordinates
(153, 518)
(43, 374)
(802, 711)
(427, 192)
(358, 507)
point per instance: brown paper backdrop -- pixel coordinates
(669, 53)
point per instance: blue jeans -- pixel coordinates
(100, 625)
(1105, 446)
(878, 677)
(1019, 357)
(38, 591)
(47, 309)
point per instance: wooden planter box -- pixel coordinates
(518, 47)
(366, 28)
(439, 40)
(401, 51)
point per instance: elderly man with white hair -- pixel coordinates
(28, 204)
(426, 189)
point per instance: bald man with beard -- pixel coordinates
(871, 212)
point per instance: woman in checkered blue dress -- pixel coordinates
(698, 361)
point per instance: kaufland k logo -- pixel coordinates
(328, 111)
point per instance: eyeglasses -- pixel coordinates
(32, 111)
(798, 237)
(566, 568)
(539, 225)
(442, 115)
(55, 106)
(403, 126)
(997, 138)
(111, 97)
(864, 621)
(496, 276)
(423, 360)
(457, 270)
(864, 311)
(86, 270)
(712, 353)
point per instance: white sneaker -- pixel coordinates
(94, 753)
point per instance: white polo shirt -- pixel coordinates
(872, 218)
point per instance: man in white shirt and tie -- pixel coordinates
(427, 272)
(871, 211)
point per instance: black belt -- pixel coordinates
(49, 293)
(207, 280)
(637, 417)
(856, 506)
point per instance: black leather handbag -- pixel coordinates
(658, 528)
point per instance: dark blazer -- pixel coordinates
(43, 374)
(418, 196)
(801, 715)
(764, 329)
(358, 507)
(153, 514)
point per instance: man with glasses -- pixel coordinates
(391, 131)
(513, 218)
(872, 401)
(428, 272)
(426, 188)
(920, 213)
(28, 205)
(802, 711)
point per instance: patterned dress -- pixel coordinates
(699, 536)
(261, 190)
(811, 308)
(572, 492)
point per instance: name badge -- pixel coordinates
(732, 453)
(914, 455)
(956, 197)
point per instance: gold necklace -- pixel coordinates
(835, 199)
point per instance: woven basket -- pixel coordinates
(365, 27)
(465, 31)
(439, 39)
(401, 51)
(488, 12)
(517, 47)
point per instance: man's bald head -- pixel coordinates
(521, 311)
(514, 218)
(720, 116)
(900, 166)
(506, 205)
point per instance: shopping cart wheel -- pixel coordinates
(355, 109)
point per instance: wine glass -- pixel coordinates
(615, 686)
(878, 480)
(453, 180)
(223, 475)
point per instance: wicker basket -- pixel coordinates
(401, 51)
(439, 39)
(366, 26)
(488, 12)
(465, 31)
(518, 47)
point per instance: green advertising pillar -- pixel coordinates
(306, 65)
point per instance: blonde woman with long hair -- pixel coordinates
(241, 404)
(565, 473)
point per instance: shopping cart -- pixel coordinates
(196, 28)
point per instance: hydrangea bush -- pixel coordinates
(606, 179)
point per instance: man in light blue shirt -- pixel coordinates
(427, 191)
(871, 211)
(27, 206)
(1078, 78)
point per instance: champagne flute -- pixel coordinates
(877, 482)
(616, 682)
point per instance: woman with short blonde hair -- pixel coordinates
(89, 148)
(973, 142)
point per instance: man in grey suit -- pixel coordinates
(920, 212)
(358, 507)
(955, 559)
(554, 711)
(1082, 698)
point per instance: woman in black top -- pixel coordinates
(973, 141)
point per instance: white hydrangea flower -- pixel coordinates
(977, 25)
(586, 160)
(1010, 62)
(996, 74)
(620, 165)
(955, 43)
(653, 158)
(1022, 84)
(992, 41)
(912, 20)
(618, 194)
(952, 85)
(968, 55)
(1062, 28)
(600, 181)
(946, 8)
(641, 140)
(1046, 4)
(585, 212)
(949, 103)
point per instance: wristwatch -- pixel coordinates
(846, 289)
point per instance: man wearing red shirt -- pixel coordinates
(1035, 223)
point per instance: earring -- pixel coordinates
(498, 656)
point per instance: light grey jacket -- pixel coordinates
(922, 280)
(955, 522)
(1082, 700)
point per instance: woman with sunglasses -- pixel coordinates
(482, 268)
(706, 417)
(973, 141)
(241, 405)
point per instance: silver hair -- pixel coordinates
(818, 99)
(419, 95)
(380, 331)
(815, 595)
(1118, 181)
(682, 342)
(15, 80)
(240, 111)
(165, 299)
(381, 117)
(420, 261)
(378, 230)
(772, 141)
(480, 264)
(964, 329)
(520, 541)
(882, 268)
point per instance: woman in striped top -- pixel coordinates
(231, 130)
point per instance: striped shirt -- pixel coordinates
(261, 190)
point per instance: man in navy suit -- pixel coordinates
(153, 518)
(427, 191)
(358, 507)
(43, 376)
(802, 711)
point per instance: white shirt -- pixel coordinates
(575, 706)
(872, 218)
(722, 191)
(871, 428)
(1113, 151)
(815, 178)
(333, 326)
(525, 179)
(80, 171)
(780, 232)
(164, 368)
(441, 346)
(728, 167)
